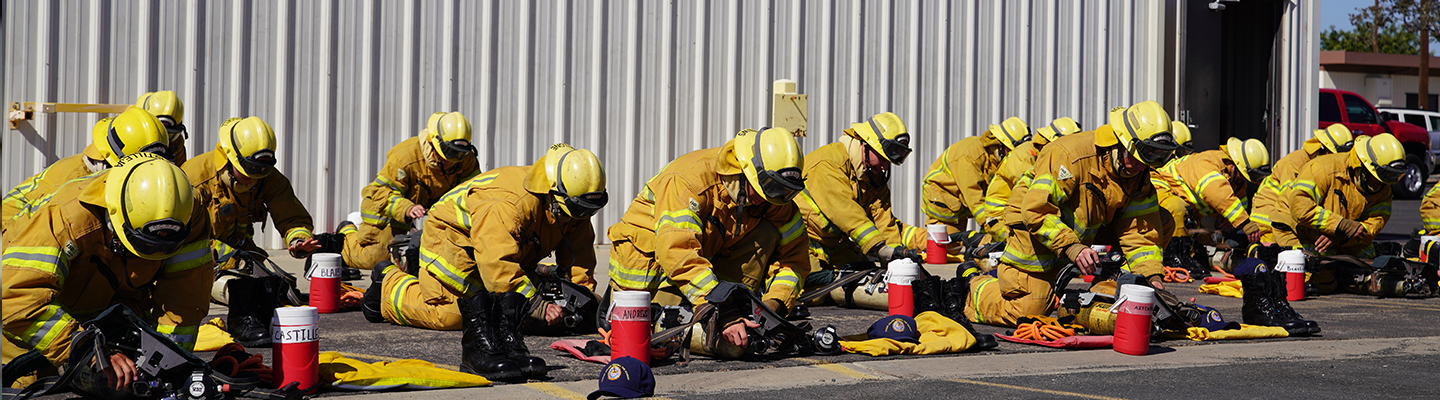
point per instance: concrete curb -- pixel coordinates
(970, 366)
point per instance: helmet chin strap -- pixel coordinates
(1367, 184)
(1117, 161)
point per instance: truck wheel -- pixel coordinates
(1411, 185)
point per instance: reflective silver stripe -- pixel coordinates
(56, 318)
(431, 265)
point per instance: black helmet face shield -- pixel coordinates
(896, 149)
(579, 206)
(1158, 148)
(778, 186)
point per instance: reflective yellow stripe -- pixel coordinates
(1028, 262)
(808, 200)
(979, 316)
(697, 288)
(783, 278)
(635, 278)
(382, 181)
(298, 233)
(181, 335)
(222, 251)
(791, 230)
(348, 229)
(1234, 212)
(864, 233)
(397, 297)
(1379, 209)
(526, 288)
(1046, 183)
(192, 255)
(1143, 254)
(448, 274)
(374, 218)
(1262, 219)
(43, 258)
(908, 232)
(1321, 217)
(934, 211)
(680, 219)
(1140, 207)
(47, 326)
(1432, 223)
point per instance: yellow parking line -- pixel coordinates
(554, 390)
(837, 368)
(1377, 303)
(392, 359)
(1029, 389)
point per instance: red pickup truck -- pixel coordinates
(1348, 108)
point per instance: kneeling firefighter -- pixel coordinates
(846, 202)
(1083, 183)
(132, 235)
(718, 215)
(1270, 197)
(416, 172)
(238, 185)
(479, 254)
(1013, 169)
(1204, 184)
(1339, 202)
(957, 181)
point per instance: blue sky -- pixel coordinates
(1337, 12)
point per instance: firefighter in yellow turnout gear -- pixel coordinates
(715, 214)
(131, 132)
(1082, 183)
(1269, 201)
(1339, 202)
(1013, 169)
(165, 105)
(129, 235)
(846, 202)
(238, 185)
(1430, 210)
(1208, 183)
(956, 183)
(480, 248)
(416, 173)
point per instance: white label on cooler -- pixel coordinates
(326, 273)
(1290, 268)
(294, 333)
(630, 314)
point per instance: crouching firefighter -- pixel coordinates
(479, 254)
(718, 215)
(238, 185)
(957, 182)
(1209, 183)
(416, 172)
(1083, 183)
(131, 235)
(846, 202)
(1339, 202)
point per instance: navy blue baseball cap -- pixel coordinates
(625, 377)
(1214, 322)
(898, 327)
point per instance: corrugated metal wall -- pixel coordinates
(639, 82)
(1297, 111)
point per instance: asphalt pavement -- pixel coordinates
(1369, 347)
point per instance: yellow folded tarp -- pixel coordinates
(343, 373)
(1227, 289)
(938, 335)
(1245, 332)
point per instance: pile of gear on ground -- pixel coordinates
(731, 245)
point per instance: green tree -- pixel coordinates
(1392, 40)
(1422, 16)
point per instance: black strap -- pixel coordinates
(836, 284)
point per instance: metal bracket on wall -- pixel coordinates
(26, 111)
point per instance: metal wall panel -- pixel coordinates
(640, 82)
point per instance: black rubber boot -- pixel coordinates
(252, 304)
(1278, 295)
(370, 304)
(927, 295)
(1260, 309)
(954, 293)
(481, 351)
(1180, 253)
(510, 313)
